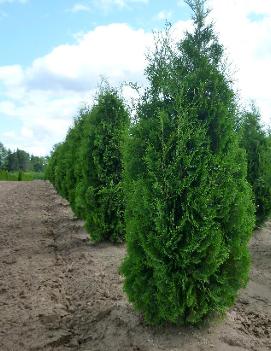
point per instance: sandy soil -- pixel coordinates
(60, 292)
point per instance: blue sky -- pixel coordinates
(54, 52)
(33, 28)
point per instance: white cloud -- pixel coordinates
(244, 26)
(44, 118)
(115, 51)
(80, 8)
(107, 4)
(163, 15)
(11, 75)
(45, 96)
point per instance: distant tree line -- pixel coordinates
(184, 181)
(20, 160)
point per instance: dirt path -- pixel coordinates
(59, 292)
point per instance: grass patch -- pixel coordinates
(24, 176)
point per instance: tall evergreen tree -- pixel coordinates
(189, 213)
(87, 168)
(258, 148)
(101, 149)
(51, 165)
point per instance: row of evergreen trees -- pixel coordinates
(178, 182)
(257, 143)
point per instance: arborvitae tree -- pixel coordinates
(87, 168)
(74, 174)
(189, 211)
(65, 168)
(257, 145)
(55, 170)
(51, 165)
(102, 178)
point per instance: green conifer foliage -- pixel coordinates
(72, 157)
(189, 211)
(87, 169)
(257, 145)
(103, 169)
(50, 171)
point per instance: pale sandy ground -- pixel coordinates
(59, 292)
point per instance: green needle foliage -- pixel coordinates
(258, 148)
(87, 169)
(102, 150)
(189, 211)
